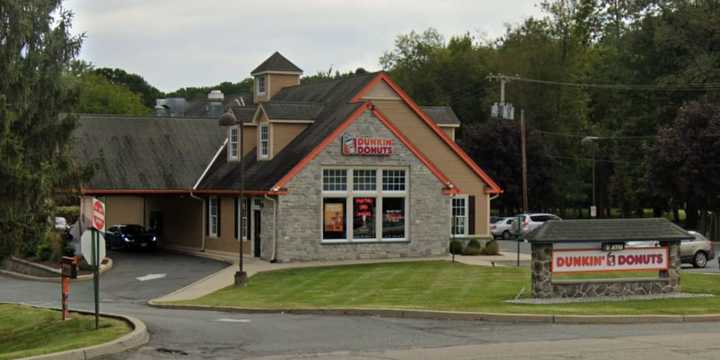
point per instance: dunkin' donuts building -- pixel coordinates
(341, 169)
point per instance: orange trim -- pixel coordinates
(175, 191)
(314, 153)
(451, 188)
(237, 192)
(494, 188)
(133, 191)
(356, 114)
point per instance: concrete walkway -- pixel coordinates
(226, 276)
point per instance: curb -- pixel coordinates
(103, 268)
(458, 315)
(137, 337)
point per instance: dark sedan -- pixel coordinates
(130, 236)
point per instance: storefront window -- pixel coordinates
(393, 180)
(375, 200)
(364, 180)
(393, 216)
(334, 180)
(364, 218)
(334, 224)
(213, 224)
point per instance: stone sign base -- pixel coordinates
(544, 287)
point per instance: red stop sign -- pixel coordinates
(98, 216)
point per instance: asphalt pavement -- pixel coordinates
(181, 334)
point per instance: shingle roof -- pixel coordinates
(292, 110)
(573, 231)
(442, 115)
(199, 107)
(276, 62)
(262, 175)
(147, 152)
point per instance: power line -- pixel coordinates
(688, 87)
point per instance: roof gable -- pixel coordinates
(276, 63)
(384, 78)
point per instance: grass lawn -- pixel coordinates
(436, 285)
(27, 331)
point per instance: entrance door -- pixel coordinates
(256, 233)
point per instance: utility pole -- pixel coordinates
(506, 111)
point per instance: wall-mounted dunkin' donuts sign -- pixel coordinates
(366, 145)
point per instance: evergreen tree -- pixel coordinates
(36, 48)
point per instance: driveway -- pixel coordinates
(178, 334)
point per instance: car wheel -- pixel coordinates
(506, 235)
(700, 259)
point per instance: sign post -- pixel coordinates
(97, 248)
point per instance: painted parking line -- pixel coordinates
(233, 320)
(151, 277)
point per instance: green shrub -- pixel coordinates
(473, 247)
(51, 248)
(456, 247)
(491, 248)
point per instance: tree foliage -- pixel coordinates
(98, 95)
(228, 88)
(134, 82)
(671, 47)
(36, 48)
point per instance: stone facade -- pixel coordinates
(544, 287)
(299, 223)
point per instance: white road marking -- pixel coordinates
(151, 277)
(233, 320)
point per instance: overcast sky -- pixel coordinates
(177, 43)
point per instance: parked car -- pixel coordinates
(697, 251)
(61, 224)
(126, 236)
(501, 228)
(533, 221)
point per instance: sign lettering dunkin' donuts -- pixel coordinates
(366, 145)
(568, 261)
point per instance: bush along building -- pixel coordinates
(350, 168)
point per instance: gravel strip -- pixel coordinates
(607, 298)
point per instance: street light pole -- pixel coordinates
(241, 275)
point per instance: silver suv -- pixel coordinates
(697, 251)
(533, 221)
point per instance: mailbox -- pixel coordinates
(69, 266)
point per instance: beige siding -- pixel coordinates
(279, 81)
(181, 220)
(450, 131)
(283, 134)
(382, 91)
(440, 154)
(249, 138)
(226, 242)
(124, 210)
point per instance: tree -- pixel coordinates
(98, 95)
(134, 82)
(36, 48)
(684, 166)
(228, 88)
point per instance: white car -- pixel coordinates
(533, 221)
(501, 228)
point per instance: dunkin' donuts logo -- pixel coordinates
(366, 146)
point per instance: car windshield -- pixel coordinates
(133, 229)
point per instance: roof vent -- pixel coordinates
(216, 95)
